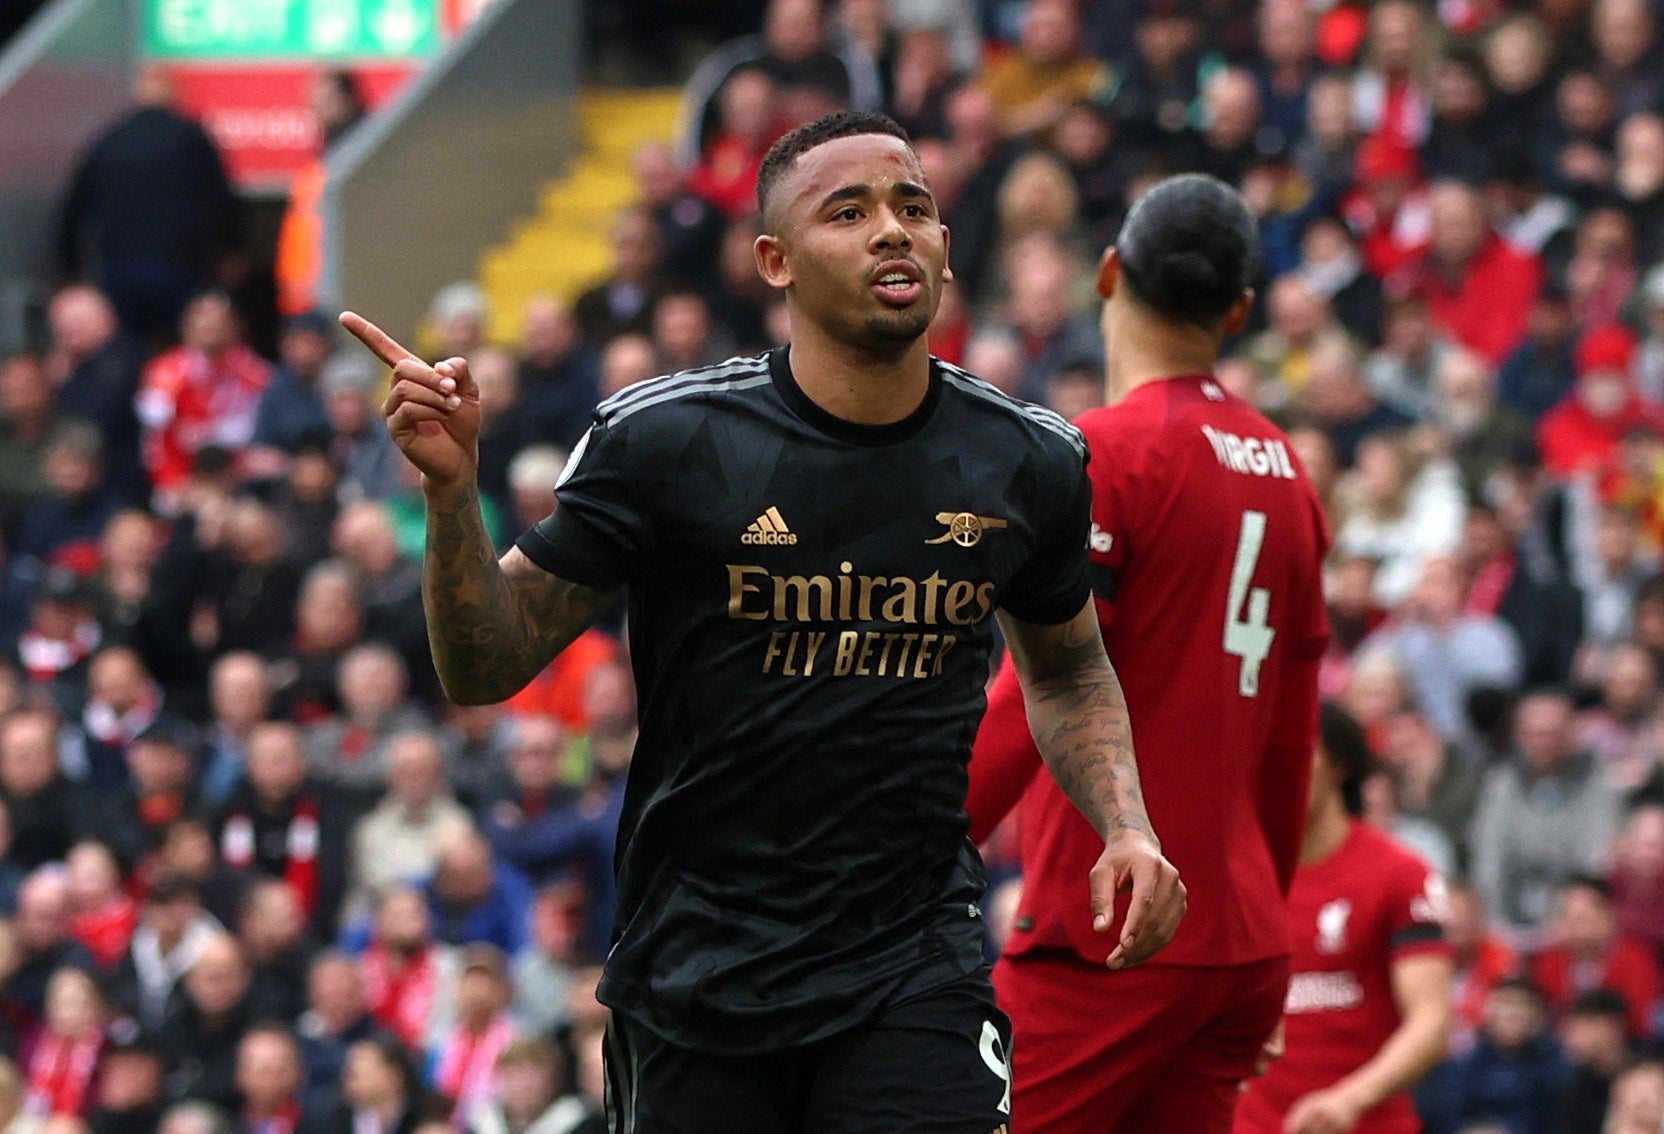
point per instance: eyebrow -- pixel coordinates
(854, 192)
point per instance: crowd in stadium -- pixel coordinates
(257, 874)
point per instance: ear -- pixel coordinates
(770, 254)
(1237, 318)
(1109, 272)
(947, 243)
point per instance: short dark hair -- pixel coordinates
(1347, 748)
(840, 124)
(1189, 248)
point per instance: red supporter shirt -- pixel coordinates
(1352, 915)
(1486, 312)
(1629, 969)
(1207, 541)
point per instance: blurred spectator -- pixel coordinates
(690, 227)
(1333, 268)
(1483, 433)
(1595, 1035)
(1513, 1074)
(43, 935)
(623, 302)
(1618, 728)
(62, 527)
(1288, 67)
(172, 930)
(389, 586)
(1601, 272)
(1637, 1105)
(1482, 959)
(380, 1091)
(627, 361)
(271, 927)
(150, 251)
(398, 842)
(1544, 613)
(329, 620)
(981, 159)
(128, 1088)
(97, 369)
(1544, 816)
(1523, 211)
(1397, 508)
(458, 317)
(528, 1098)
(1581, 433)
(1390, 95)
(1154, 99)
(122, 701)
(270, 1079)
(1639, 180)
(239, 697)
(305, 503)
(1625, 38)
(1435, 780)
(558, 375)
(683, 333)
(29, 425)
(1462, 130)
(1540, 371)
(336, 1017)
(726, 174)
(1478, 288)
(360, 445)
(1404, 371)
(1649, 360)
(45, 809)
(194, 1117)
(1579, 148)
(1637, 875)
(189, 852)
(543, 975)
(796, 51)
(349, 750)
(531, 483)
(205, 391)
(506, 423)
(59, 1070)
(102, 916)
(61, 634)
(337, 104)
(1390, 208)
(204, 1027)
(280, 824)
(474, 898)
(1326, 154)
(1051, 332)
(921, 78)
(409, 978)
(477, 742)
(1048, 69)
(1587, 951)
(465, 1057)
(291, 408)
(252, 583)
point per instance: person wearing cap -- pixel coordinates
(1388, 206)
(160, 786)
(465, 1062)
(1582, 433)
(291, 407)
(362, 450)
(62, 634)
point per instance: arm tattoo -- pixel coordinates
(492, 626)
(1078, 714)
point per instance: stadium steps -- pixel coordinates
(564, 248)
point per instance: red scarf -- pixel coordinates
(45, 658)
(401, 998)
(60, 1073)
(468, 1063)
(283, 1120)
(107, 931)
(300, 868)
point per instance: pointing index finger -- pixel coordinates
(1143, 895)
(381, 344)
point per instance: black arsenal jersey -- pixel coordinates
(811, 606)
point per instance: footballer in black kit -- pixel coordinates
(811, 606)
(815, 542)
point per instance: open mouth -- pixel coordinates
(898, 284)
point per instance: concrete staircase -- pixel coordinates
(564, 248)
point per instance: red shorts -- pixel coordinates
(1151, 1048)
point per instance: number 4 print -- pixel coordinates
(1248, 637)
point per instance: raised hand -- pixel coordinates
(433, 412)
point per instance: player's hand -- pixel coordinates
(1132, 860)
(1322, 1112)
(433, 412)
(1271, 1050)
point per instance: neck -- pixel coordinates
(859, 385)
(1326, 829)
(1145, 352)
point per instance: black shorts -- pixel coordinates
(937, 1063)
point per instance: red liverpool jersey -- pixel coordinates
(1207, 546)
(1352, 915)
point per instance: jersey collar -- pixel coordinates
(853, 432)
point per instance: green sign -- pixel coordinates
(290, 29)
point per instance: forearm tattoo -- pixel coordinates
(1078, 713)
(491, 627)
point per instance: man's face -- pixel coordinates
(858, 243)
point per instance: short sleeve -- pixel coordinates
(598, 530)
(1052, 586)
(1418, 910)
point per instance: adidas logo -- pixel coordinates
(769, 530)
